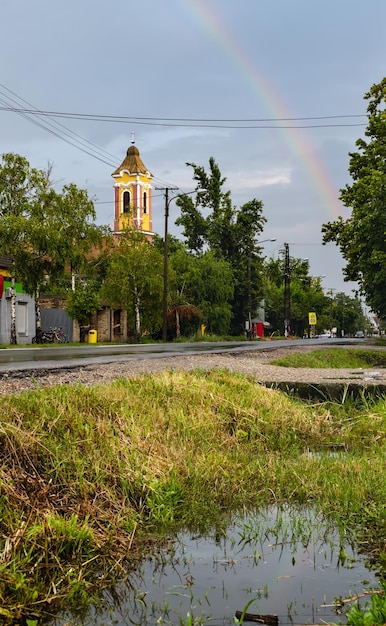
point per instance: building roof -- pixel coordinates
(6, 261)
(132, 163)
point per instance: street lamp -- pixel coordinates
(166, 259)
(250, 285)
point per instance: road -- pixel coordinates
(22, 358)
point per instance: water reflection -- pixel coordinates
(291, 564)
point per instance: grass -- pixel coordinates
(91, 476)
(372, 613)
(336, 358)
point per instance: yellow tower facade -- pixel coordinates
(133, 195)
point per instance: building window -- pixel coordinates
(144, 202)
(21, 318)
(117, 322)
(126, 202)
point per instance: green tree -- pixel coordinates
(200, 290)
(134, 281)
(344, 313)
(184, 315)
(247, 262)
(306, 295)
(81, 303)
(361, 237)
(211, 222)
(73, 236)
(216, 229)
(45, 232)
(214, 292)
(21, 189)
(206, 283)
(62, 237)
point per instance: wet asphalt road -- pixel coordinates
(22, 358)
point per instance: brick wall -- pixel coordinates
(102, 321)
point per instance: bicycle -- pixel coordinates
(53, 335)
(58, 335)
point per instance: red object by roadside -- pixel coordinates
(1, 285)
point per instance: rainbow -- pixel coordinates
(209, 19)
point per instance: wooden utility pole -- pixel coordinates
(166, 263)
(287, 291)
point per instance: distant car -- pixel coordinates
(325, 335)
(360, 334)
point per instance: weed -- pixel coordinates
(240, 620)
(91, 475)
(373, 613)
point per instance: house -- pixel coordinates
(25, 307)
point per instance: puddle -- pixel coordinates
(372, 375)
(291, 565)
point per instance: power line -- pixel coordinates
(57, 129)
(54, 128)
(270, 123)
(44, 120)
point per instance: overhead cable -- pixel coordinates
(247, 123)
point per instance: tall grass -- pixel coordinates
(334, 358)
(90, 475)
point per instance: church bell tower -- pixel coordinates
(133, 194)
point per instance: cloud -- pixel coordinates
(170, 60)
(255, 180)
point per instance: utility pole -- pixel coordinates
(252, 247)
(249, 295)
(331, 292)
(166, 269)
(166, 242)
(287, 291)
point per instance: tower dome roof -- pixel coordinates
(132, 163)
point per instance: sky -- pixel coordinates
(273, 90)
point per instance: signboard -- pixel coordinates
(312, 319)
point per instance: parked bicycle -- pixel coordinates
(53, 335)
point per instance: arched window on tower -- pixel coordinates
(144, 202)
(126, 202)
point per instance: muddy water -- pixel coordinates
(291, 565)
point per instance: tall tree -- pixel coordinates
(205, 284)
(134, 281)
(184, 317)
(306, 295)
(21, 189)
(214, 230)
(201, 289)
(212, 223)
(361, 238)
(45, 232)
(247, 263)
(347, 314)
(62, 236)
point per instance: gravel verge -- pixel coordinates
(255, 363)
